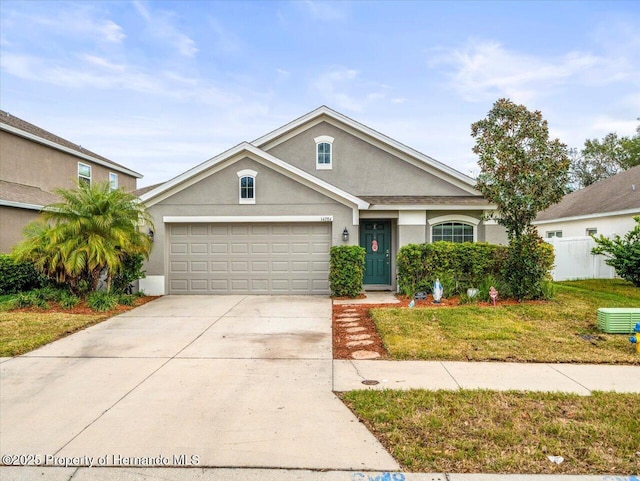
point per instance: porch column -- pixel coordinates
(412, 227)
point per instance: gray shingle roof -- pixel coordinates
(617, 193)
(25, 194)
(18, 123)
(425, 199)
(144, 190)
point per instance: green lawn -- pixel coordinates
(504, 432)
(562, 330)
(22, 332)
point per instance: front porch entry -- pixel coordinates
(375, 237)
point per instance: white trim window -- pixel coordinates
(454, 228)
(113, 181)
(592, 231)
(453, 232)
(324, 152)
(84, 173)
(247, 186)
(554, 233)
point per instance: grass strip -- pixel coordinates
(504, 432)
(22, 332)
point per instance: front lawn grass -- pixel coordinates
(22, 332)
(504, 432)
(562, 330)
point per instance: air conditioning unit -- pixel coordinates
(618, 320)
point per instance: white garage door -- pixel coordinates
(249, 258)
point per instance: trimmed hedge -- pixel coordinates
(463, 265)
(457, 265)
(346, 272)
(17, 276)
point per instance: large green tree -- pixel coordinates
(602, 158)
(89, 233)
(523, 171)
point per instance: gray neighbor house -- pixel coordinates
(261, 217)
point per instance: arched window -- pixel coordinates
(247, 186)
(454, 228)
(452, 232)
(324, 152)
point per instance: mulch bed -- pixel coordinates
(82, 307)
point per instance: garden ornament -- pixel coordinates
(493, 294)
(437, 291)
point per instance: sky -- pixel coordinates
(161, 86)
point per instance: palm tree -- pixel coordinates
(88, 233)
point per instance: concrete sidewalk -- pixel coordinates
(226, 474)
(572, 378)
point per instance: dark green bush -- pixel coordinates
(623, 253)
(131, 272)
(457, 265)
(527, 267)
(68, 300)
(28, 299)
(126, 299)
(346, 270)
(17, 276)
(102, 301)
(514, 271)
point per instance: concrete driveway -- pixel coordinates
(226, 381)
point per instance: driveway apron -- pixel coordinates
(224, 381)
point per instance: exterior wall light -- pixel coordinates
(150, 234)
(345, 235)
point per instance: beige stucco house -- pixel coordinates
(33, 163)
(261, 217)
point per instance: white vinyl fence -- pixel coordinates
(575, 261)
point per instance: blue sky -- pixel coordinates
(163, 86)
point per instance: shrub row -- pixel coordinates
(518, 270)
(17, 276)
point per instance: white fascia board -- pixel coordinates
(62, 148)
(631, 212)
(184, 178)
(432, 207)
(208, 219)
(21, 205)
(467, 182)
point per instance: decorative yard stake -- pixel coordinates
(493, 294)
(437, 291)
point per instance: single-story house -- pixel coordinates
(35, 162)
(261, 217)
(606, 207)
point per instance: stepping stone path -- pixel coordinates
(349, 320)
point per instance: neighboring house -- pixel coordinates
(33, 163)
(261, 217)
(606, 207)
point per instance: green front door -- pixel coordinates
(375, 237)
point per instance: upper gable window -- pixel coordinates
(113, 181)
(247, 186)
(324, 152)
(84, 173)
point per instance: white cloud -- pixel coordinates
(102, 62)
(485, 70)
(112, 32)
(160, 25)
(324, 10)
